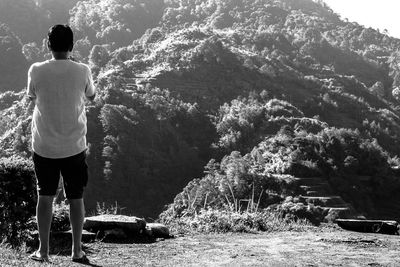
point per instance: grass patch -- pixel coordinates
(18, 257)
(12, 256)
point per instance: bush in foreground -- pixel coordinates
(60, 217)
(222, 221)
(17, 198)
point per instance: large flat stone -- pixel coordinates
(67, 235)
(59, 241)
(370, 226)
(130, 224)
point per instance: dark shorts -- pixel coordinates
(74, 171)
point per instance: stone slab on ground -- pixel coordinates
(60, 241)
(130, 224)
(370, 226)
(86, 235)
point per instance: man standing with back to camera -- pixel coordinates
(58, 89)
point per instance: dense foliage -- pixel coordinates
(146, 135)
(115, 22)
(244, 123)
(13, 65)
(17, 198)
(265, 176)
(222, 221)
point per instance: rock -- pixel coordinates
(370, 226)
(115, 234)
(158, 230)
(148, 232)
(67, 235)
(129, 224)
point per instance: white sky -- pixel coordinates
(378, 14)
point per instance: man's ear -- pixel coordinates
(70, 48)
(48, 45)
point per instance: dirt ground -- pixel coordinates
(310, 248)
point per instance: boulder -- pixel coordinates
(129, 224)
(157, 230)
(116, 234)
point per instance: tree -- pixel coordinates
(34, 53)
(378, 89)
(115, 22)
(13, 65)
(396, 93)
(98, 57)
(82, 47)
(58, 10)
(394, 65)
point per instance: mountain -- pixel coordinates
(200, 80)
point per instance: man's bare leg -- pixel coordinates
(44, 214)
(76, 217)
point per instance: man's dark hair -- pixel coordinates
(61, 38)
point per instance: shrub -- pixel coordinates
(60, 217)
(17, 198)
(292, 210)
(235, 185)
(222, 221)
(60, 220)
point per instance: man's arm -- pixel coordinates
(31, 106)
(90, 90)
(30, 93)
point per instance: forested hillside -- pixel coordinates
(232, 91)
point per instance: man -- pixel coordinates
(58, 89)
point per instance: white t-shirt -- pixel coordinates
(59, 118)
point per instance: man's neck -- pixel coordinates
(60, 55)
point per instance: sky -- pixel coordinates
(378, 14)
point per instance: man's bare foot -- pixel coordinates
(37, 256)
(81, 258)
